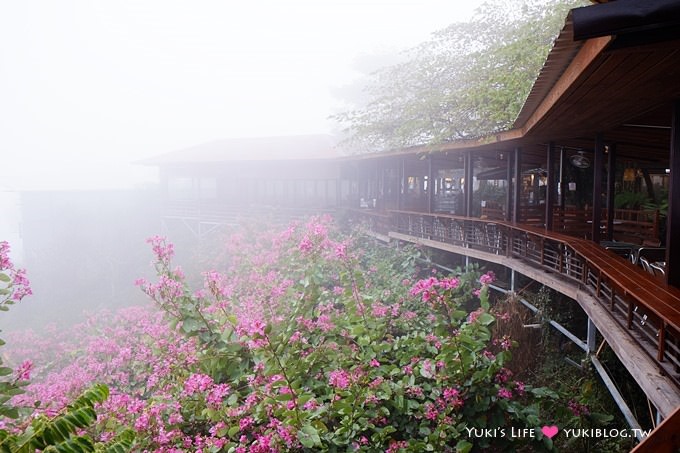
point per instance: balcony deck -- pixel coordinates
(638, 315)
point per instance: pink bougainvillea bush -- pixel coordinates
(305, 340)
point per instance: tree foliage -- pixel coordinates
(64, 432)
(470, 79)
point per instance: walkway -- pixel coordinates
(637, 315)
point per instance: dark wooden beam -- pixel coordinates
(402, 183)
(611, 181)
(550, 187)
(562, 188)
(598, 167)
(467, 187)
(509, 188)
(517, 187)
(673, 218)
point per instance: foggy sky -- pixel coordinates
(88, 86)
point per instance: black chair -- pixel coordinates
(645, 264)
(659, 268)
(623, 251)
(652, 254)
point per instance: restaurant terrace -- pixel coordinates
(557, 199)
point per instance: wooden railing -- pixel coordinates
(232, 214)
(664, 439)
(648, 309)
(628, 225)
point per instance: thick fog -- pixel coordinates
(87, 89)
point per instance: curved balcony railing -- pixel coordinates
(647, 308)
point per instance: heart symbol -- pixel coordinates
(549, 431)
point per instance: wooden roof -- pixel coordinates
(620, 86)
(283, 148)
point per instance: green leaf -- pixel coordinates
(309, 436)
(78, 444)
(463, 446)
(486, 319)
(234, 430)
(122, 442)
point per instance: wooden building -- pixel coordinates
(603, 118)
(215, 183)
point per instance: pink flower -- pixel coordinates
(245, 423)
(487, 278)
(310, 405)
(216, 395)
(503, 375)
(197, 383)
(24, 371)
(472, 317)
(5, 262)
(163, 250)
(339, 379)
(504, 393)
(306, 245)
(341, 251)
(578, 409)
(431, 412)
(374, 363)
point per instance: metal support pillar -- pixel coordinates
(591, 338)
(430, 185)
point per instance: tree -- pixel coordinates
(469, 80)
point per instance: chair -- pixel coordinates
(623, 251)
(658, 268)
(652, 254)
(645, 264)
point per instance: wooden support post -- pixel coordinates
(631, 309)
(560, 258)
(402, 183)
(517, 187)
(550, 187)
(509, 188)
(662, 341)
(673, 218)
(584, 275)
(597, 188)
(563, 157)
(611, 180)
(467, 187)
